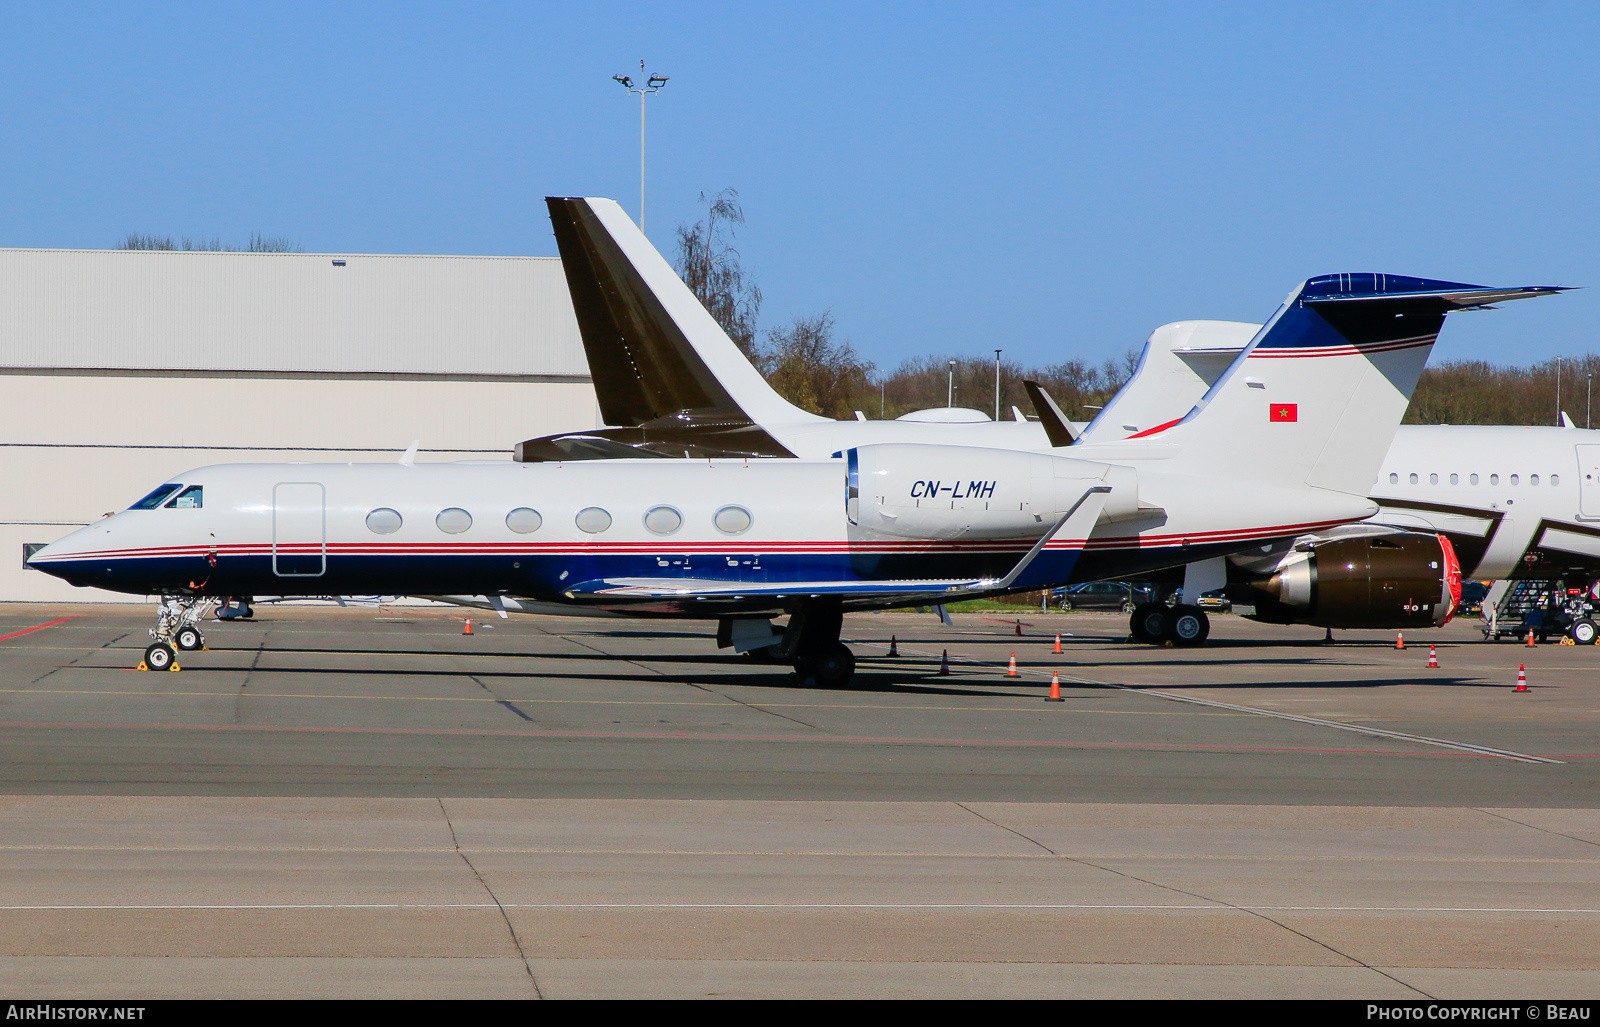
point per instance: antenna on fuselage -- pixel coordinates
(410, 457)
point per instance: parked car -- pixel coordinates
(1101, 595)
(1214, 600)
(1472, 596)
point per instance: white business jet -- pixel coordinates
(722, 535)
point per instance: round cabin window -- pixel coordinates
(453, 521)
(523, 520)
(732, 520)
(384, 521)
(593, 520)
(663, 520)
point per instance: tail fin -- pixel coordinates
(1317, 395)
(654, 351)
(1179, 363)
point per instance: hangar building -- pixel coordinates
(122, 368)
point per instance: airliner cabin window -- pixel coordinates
(1473, 479)
(1555, 480)
(1413, 477)
(155, 498)
(189, 499)
(1433, 479)
(1494, 479)
(1533, 479)
(1513, 479)
(1394, 479)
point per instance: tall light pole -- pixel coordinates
(652, 84)
(997, 385)
(950, 388)
(1587, 399)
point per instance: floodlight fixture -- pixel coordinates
(652, 84)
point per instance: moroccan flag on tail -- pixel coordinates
(1285, 412)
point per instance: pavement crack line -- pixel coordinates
(1360, 729)
(1195, 895)
(510, 928)
(499, 701)
(1535, 827)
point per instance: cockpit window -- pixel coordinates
(155, 498)
(190, 498)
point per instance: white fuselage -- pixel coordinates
(555, 532)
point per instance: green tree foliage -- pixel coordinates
(709, 265)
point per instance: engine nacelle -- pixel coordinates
(1387, 580)
(910, 490)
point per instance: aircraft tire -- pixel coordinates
(1149, 623)
(1188, 626)
(160, 656)
(1584, 632)
(188, 639)
(831, 667)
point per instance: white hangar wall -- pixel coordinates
(120, 369)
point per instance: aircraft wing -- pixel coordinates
(711, 588)
(1074, 523)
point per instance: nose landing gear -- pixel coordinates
(175, 630)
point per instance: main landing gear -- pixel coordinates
(1157, 624)
(176, 629)
(811, 645)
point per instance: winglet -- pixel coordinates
(1050, 415)
(1082, 517)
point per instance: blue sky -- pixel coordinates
(1055, 179)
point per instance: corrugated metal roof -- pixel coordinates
(206, 311)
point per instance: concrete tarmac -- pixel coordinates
(366, 802)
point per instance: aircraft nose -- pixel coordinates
(65, 557)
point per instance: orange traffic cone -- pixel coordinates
(1012, 672)
(944, 663)
(1055, 687)
(1433, 656)
(1522, 680)
(1531, 643)
(1058, 643)
(894, 646)
(466, 629)
(1400, 640)
(1019, 629)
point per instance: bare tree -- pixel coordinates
(810, 370)
(258, 244)
(708, 263)
(921, 382)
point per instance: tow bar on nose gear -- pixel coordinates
(176, 620)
